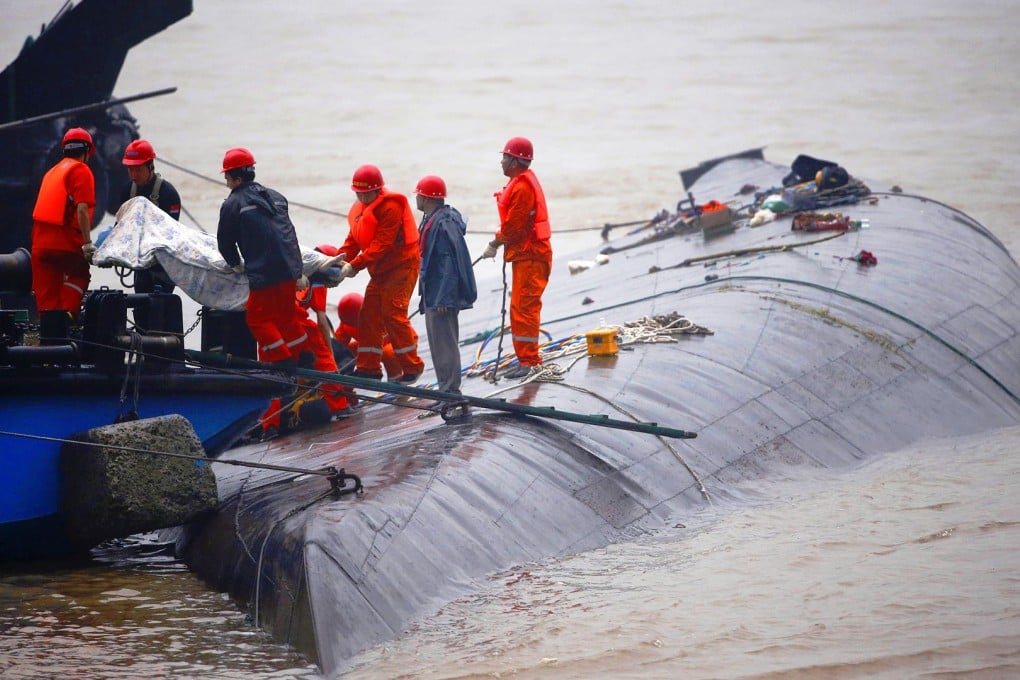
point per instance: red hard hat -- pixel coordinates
(77, 136)
(237, 158)
(327, 249)
(138, 152)
(350, 308)
(366, 178)
(431, 186)
(519, 147)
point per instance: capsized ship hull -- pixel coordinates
(813, 360)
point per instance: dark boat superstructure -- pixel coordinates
(814, 359)
(74, 62)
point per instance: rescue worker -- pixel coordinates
(447, 280)
(320, 337)
(345, 347)
(139, 158)
(313, 299)
(279, 419)
(62, 246)
(383, 239)
(524, 231)
(255, 220)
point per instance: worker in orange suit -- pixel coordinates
(347, 335)
(313, 299)
(322, 349)
(524, 231)
(62, 228)
(383, 239)
(320, 335)
(335, 396)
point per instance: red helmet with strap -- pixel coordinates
(366, 178)
(77, 138)
(138, 152)
(519, 147)
(237, 158)
(431, 186)
(349, 308)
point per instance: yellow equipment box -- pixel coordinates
(602, 342)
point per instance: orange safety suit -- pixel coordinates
(334, 395)
(348, 335)
(279, 336)
(60, 272)
(383, 239)
(314, 297)
(525, 232)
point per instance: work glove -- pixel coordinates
(238, 268)
(347, 271)
(303, 283)
(332, 262)
(490, 250)
(89, 251)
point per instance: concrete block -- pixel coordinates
(108, 492)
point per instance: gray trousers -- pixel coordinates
(443, 329)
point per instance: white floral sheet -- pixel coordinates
(144, 234)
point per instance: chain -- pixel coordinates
(198, 320)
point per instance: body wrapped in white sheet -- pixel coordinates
(144, 234)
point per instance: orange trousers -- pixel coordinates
(59, 279)
(389, 359)
(530, 278)
(384, 312)
(275, 321)
(334, 395)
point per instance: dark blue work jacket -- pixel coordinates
(447, 278)
(255, 220)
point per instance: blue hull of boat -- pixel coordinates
(30, 523)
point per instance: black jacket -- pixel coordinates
(255, 220)
(168, 200)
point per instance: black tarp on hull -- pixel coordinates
(813, 360)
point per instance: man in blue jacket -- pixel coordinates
(446, 283)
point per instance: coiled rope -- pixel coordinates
(665, 328)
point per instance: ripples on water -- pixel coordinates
(133, 612)
(907, 567)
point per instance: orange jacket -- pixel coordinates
(383, 236)
(312, 297)
(64, 186)
(524, 219)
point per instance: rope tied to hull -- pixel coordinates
(336, 478)
(661, 328)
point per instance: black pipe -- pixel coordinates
(16, 272)
(30, 355)
(77, 110)
(158, 345)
